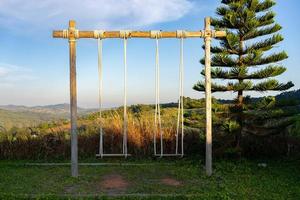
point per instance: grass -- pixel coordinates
(242, 179)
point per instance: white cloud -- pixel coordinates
(3, 72)
(11, 74)
(91, 13)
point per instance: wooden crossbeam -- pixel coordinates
(73, 33)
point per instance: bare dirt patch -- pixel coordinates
(171, 182)
(113, 184)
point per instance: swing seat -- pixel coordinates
(168, 155)
(112, 155)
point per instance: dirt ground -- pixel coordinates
(113, 184)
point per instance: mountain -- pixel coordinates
(57, 109)
(290, 95)
(23, 116)
(295, 94)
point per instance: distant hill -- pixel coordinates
(57, 109)
(23, 116)
(295, 94)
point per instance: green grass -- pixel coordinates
(242, 179)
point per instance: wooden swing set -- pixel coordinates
(73, 34)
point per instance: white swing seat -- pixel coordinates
(168, 155)
(112, 155)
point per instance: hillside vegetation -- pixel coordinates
(23, 116)
(52, 139)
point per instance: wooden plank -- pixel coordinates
(208, 156)
(219, 34)
(73, 100)
(139, 34)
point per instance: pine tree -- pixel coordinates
(245, 59)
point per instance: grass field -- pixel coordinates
(147, 179)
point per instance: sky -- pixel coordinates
(34, 67)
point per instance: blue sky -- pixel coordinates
(34, 67)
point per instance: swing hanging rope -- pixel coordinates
(100, 36)
(125, 34)
(157, 121)
(157, 116)
(180, 118)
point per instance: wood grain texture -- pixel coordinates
(139, 34)
(73, 100)
(208, 156)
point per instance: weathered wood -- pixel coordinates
(208, 156)
(73, 100)
(139, 34)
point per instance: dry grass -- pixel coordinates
(54, 142)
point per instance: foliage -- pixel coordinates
(23, 116)
(294, 130)
(52, 139)
(245, 61)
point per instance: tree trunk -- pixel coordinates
(240, 100)
(239, 118)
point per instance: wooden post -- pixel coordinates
(73, 99)
(207, 39)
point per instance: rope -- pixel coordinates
(125, 35)
(181, 34)
(76, 33)
(158, 101)
(65, 33)
(154, 34)
(180, 118)
(99, 34)
(100, 67)
(157, 117)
